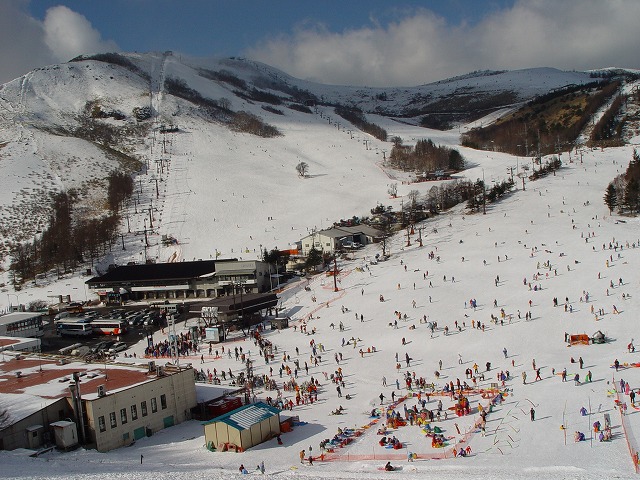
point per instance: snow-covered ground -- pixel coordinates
(217, 195)
(560, 220)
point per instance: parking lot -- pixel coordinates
(52, 342)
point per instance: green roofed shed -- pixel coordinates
(243, 427)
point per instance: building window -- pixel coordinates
(134, 412)
(125, 436)
(143, 407)
(154, 405)
(123, 415)
(112, 420)
(102, 424)
(163, 401)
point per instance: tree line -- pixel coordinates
(548, 124)
(607, 132)
(356, 117)
(623, 192)
(70, 241)
(426, 156)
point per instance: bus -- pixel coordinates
(109, 327)
(74, 329)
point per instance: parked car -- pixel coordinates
(103, 346)
(118, 347)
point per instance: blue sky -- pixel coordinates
(363, 42)
(228, 27)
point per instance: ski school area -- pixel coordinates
(407, 430)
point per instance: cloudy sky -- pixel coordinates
(372, 42)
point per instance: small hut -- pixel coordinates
(598, 337)
(279, 323)
(242, 428)
(66, 434)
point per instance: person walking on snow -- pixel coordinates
(532, 413)
(504, 350)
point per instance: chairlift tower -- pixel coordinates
(173, 339)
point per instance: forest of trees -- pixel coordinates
(356, 117)
(608, 131)
(426, 156)
(548, 124)
(623, 192)
(68, 242)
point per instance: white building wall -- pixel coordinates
(179, 393)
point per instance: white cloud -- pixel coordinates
(27, 43)
(422, 47)
(21, 44)
(69, 34)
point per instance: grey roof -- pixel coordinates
(339, 232)
(17, 316)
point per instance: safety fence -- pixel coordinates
(632, 444)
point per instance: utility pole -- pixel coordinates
(335, 274)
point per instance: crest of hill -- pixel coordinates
(67, 126)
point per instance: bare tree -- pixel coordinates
(412, 196)
(302, 168)
(393, 190)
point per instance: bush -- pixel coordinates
(142, 113)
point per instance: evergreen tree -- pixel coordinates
(314, 258)
(632, 195)
(611, 198)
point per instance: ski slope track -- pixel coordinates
(217, 191)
